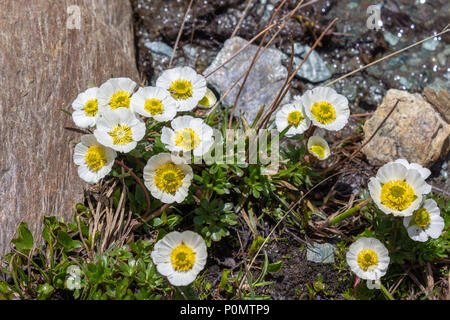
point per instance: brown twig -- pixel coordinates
(139, 182)
(242, 49)
(285, 215)
(244, 13)
(255, 57)
(375, 132)
(179, 33)
(446, 29)
(288, 83)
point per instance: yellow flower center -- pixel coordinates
(397, 195)
(91, 107)
(295, 117)
(154, 106)
(120, 99)
(324, 112)
(204, 102)
(169, 177)
(121, 134)
(367, 258)
(187, 139)
(95, 158)
(182, 258)
(421, 217)
(319, 150)
(181, 89)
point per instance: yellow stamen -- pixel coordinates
(204, 102)
(182, 258)
(187, 139)
(295, 117)
(121, 134)
(319, 150)
(323, 112)
(95, 158)
(367, 259)
(169, 177)
(154, 106)
(397, 195)
(181, 89)
(91, 107)
(421, 218)
(120, 99)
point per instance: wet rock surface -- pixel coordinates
(350, 45)
(264, 81)
(415, 131)
(44, 67)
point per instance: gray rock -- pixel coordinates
(314, 69)
(431, 44)
(265, 79)
(159, 47)
(415, 131)
(320, 252)
(390, 38)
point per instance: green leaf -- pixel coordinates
(45, 291)
(264, 268)
(66, 112)
(275, 267)
(24, 240)
(65, 240)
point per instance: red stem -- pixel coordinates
(130, 171)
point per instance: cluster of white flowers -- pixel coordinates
(115, 111)
(321, 106)
(398, 189)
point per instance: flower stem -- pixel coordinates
(349, 212)
(139, 182)
(386, 292)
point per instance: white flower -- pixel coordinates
(397, 190)
(185, 86)
(86, 108)
(424, 172)
(368, 258)
(94, 160)
(292, 114)
(116, 93)
(188, 134)
(326, 108)
(155, 103)
(208, 100)
(318, 147)
(180, 257)
(119, 129)
(168, 177)
(425, 222)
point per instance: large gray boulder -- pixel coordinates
(265, 79)
(45, 61)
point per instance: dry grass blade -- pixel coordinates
(446, 29)
(242, 49)
(375, 132)
(179, 33)
(285, 215)
(288, 84)
(240, 77)
(244, 13)
(255, 57)
(288, 15)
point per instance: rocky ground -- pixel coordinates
(349, 46)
